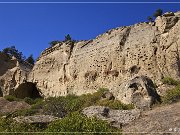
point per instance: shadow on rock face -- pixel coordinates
(27, 89)
(1, 94)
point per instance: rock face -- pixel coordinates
(121, 54)
(12, 74)
(116, 118)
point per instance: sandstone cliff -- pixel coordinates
(12, 74)
(121, 54)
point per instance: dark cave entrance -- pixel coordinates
(27, 89)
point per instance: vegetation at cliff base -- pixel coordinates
(68, 108)
(76, 122)
(171, 95)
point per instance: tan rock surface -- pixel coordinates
(160, 120)
(12, 74)
(150, 49)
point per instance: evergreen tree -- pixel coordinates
(12, 51)
(158, 12)
(150, 19)
(52, 43)
(30, 59)
(68, 38)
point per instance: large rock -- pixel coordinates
(116, 118)
(12, 74)
(118, 55)
(140, 91)
(10, 107)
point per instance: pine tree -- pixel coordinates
(150, 19)
(68, 38)
(158, 12)
(30, 59)
(12, 51)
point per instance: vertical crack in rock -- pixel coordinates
(177, 59)
(124, 38)
(71, 43)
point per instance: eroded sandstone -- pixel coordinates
(118, 55)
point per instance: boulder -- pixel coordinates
(10, 107)
(117, 118)
(139, 91)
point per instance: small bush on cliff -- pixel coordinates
(68, 38)
(150, 19)
(170, 81)
(158, 12)
(53, 43)
(76, 122)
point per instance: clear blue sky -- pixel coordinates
(30, 27)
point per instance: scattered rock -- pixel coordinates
(35, 119)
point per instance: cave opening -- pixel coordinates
(28, 89)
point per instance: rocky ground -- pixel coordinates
(160, 120)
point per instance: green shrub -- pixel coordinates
(32, 101)
(29, 100)
(11, 98)
(115, 104)
(172, 95)
(55, 106)
(9, 125)
(61, 106)
(76, 122)
(170, 81)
